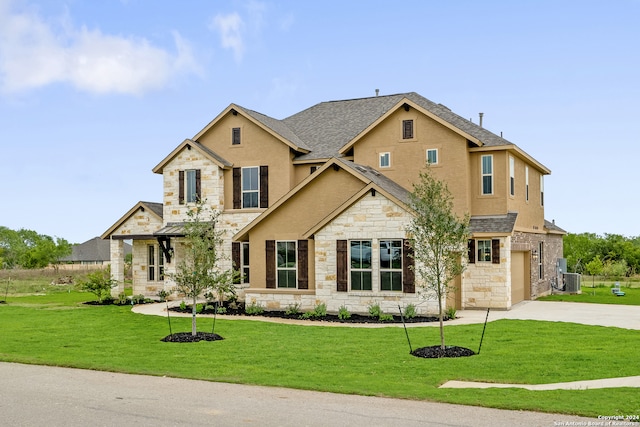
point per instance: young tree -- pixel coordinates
(199, 269)
(438, 239)
(99, 283)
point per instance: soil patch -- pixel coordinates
(435, 352)
(187, 337)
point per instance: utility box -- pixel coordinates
(572, 283)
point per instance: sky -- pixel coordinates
(94, 94)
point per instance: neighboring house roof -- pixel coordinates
(92, 250)
(188, 144)
(494, 224)
(156, 209)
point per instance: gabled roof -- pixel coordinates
(154, 208)
(552, 228)
(372, 179)
(188, 144)
(275, 127)
(92, 250)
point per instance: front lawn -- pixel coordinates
(600, 294)
(48, 331)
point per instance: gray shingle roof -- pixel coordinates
(278, 126)
(380, 180)
(493, 223)
(155, 207)
(93, 250)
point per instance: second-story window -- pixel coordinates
(512, 176)
(250, 187)
(432, 156)
(407, 129)
(541, 190)
(235, 136)
(385, 160)
(189, 186)
(487, 174)
(526, 183)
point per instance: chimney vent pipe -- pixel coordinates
(481, 114)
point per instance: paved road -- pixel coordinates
(33, 395)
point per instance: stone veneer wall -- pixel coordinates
(489, 285)
(375, 218)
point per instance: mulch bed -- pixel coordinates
(435, 352)
(187, 337)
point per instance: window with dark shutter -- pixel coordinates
(341, 263)
(471, 245)
(235, 259)
(264, 186)
(303, 264)
(237, 188)
(408, 275)
(181, 187)
(407, 129)
(270, 251)
(235, 136)
(495, 251)
(198, 186)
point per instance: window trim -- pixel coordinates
(251, 191)
(541, 190)
(541, 260)
(383, 155)
(484, 174)
(434, 150)
(245, 268)
(526, 183)
(512, 176)
(390, 269)
(362, 271)
(480, 247)
(287, 269)
(236, 136)
(155, 263)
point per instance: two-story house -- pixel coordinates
(316, 206)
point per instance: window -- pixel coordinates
(385, 160)
(484, 251)
(512, 176)
(432, 156)
(541, 260)
(541, 190)
(244, 262)
(235, 136)
(286, 264)
(487, 174)
(189, 186)
(360, 271)
(526, 183)
(407, 129)
(391, 265)
(250, 187)
(155, 263)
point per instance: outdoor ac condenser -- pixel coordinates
(571, 283)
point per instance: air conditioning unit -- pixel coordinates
(571, 283)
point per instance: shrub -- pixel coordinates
(385, 317)
(138, 299)
(162, 295)
(99, 283)
(183, 306)
(374, 310)
(343, 313)
(221, 310)
(451, 313)
(318, 312)
(293, 310)
(122, 298)
(253, 309)
(410, 311)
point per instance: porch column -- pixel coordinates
(117, 266)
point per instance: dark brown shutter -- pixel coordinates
(341, 263)
(235, 259)
(181, 187)
(303, 264)
(270, 251)
(237, 188)
(264, 186)
(495, 251)
(471, 246)
(408, 275)
(198, 192)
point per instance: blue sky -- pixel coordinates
(94, 94)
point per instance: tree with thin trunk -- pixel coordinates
(199, 270)
(438, 238)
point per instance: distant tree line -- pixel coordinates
(27, 249)
(611, 255)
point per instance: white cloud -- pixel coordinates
(230, 28)
(36, 53)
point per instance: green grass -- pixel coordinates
(600, 294)
(59, 330)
